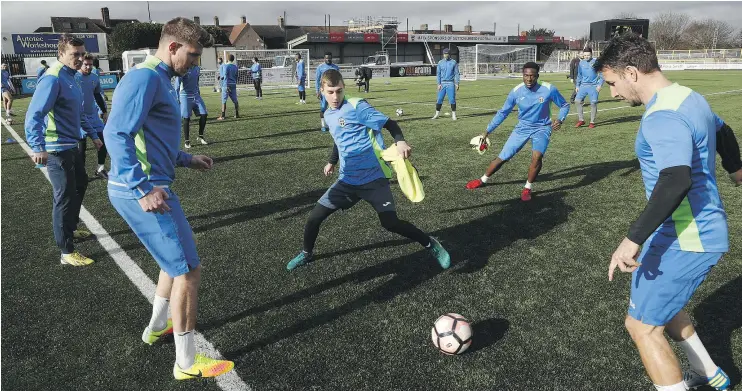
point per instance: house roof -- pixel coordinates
(43, 30)
(275, 31)
(66, 24)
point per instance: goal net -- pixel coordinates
(492, 61)
(278, 68)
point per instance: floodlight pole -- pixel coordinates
(149, 15)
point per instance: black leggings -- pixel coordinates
(102, 152)
(258, 88)
(389, 221)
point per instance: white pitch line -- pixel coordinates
(229, 381)
(494, 110)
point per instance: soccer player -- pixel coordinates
(301, 77)
(589, 81)
(7, 90)
(217, 83)
(355, 127)
(318, 76)
(683, 228)
(573, 65)
(190, 101)
(534, 123)
(447, 76)
(257, 77)
(91, 94)
(145, 113)
(41, 70)
(96, 70)
(228, 76)
(53, 123)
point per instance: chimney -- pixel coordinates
(106, 17)
(216, 21)
(197, 20)
(281, 22)
(467, 28)
(448, 28)
(244, 19)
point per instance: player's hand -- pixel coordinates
(597, 89)
(440, 87)
(104, 117)
(201, 163)
(556, 125)
(40, 157)
(624, 258)
(457, 87)
(329, 169)
(318, 94)
(404, 149)
(154, 201)
(736, 177)
(98, 144)
(577, 89)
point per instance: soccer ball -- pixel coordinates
(451, 334)
(480, 144)
(9, 121)
(400, 112)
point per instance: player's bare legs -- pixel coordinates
(659, 360)
(536, 164)
(184, 300)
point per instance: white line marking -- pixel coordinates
(495, 110)
(229, 381)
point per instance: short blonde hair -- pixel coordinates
(186, 31)
(331, 78)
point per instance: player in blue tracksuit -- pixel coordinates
(355, 127)
(683, 227)
(7, 90)
(318, 76)
(228, 76)
(301, 79)
(588, 82)
(53, 123)
(533, 100)
(96, 70)
(257, 78)
(143, 136)
(447, 78)
(92, 104)
(41, 70)
(190, 101)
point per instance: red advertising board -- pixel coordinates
(337, 37)
(371, 38)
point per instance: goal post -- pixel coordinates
(491, 61)
(278, 68)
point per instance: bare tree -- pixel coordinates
(667, 30)
(709, 34)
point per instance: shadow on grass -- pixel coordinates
(470, 244)
(718, 317)
(486, 332)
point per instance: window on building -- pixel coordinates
(83, 26)
(67, 25)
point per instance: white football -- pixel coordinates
(480, 144)
(451, 334)
(400, 112)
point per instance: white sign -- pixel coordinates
(674, 66)
(457, 38)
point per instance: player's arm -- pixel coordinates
(178, 83)
(334, 155)
(41, 104)
(503, 113)
(132, 101)
(671, 142)
(98, 95)
(438, 74)
(559, 100)
(578, 79)
(317, 80)
(727, 147)
(456, 75)
(600, 80)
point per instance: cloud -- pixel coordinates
(567, 18)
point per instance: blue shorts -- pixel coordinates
(587, 90)
(665, 282)
(447, 89)
(343, 196)
(300, 86)
(190, 104)
(322, 103)
(168, 237)
(232, 94)
(94, 121)
(539, 137)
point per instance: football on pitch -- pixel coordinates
(480, 144)
(400, 112)
(451, 334)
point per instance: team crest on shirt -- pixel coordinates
(341, 121)
(540, 99)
